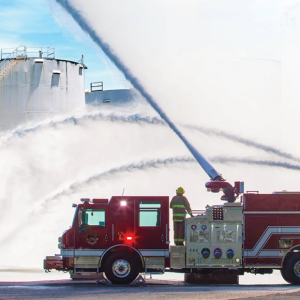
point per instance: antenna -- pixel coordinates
(123, 191)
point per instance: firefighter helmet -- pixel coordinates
(180, 190)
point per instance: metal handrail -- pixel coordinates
(197, 212)
(19, 52)
(23, 52)
(81, 62)
(48, 52)
(96, 86)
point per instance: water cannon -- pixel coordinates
(217, 183)
(230, 192)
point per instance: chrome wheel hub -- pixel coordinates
(121, 268)
(297, 268)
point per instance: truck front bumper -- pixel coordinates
(53, 262)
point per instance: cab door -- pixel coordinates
(152, 223)
(92, 231)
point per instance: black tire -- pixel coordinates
(291, 269)
(284, 275)
(121, 268)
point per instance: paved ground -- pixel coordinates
(152, 289)
(36, 285)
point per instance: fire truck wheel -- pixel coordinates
(284, 275)
(121, 268)
(291, 271)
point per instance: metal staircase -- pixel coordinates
(12, 59)
(7, 66)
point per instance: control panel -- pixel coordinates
(214, 238)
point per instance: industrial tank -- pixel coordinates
(97, 96)
(35, 85)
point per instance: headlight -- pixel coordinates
(61, 246)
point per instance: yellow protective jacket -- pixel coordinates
(180, 205)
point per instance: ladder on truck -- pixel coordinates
(12, 59)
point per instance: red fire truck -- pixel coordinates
(128, 235)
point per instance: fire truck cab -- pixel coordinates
(129, 235)
(121, 237)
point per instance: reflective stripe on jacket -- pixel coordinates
(180, 205)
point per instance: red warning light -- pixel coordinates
(129, 239)
(126, 238)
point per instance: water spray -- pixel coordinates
(217, 181)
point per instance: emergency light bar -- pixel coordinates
(85, 200)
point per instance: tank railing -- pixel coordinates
(41, 52)
(81, 62)
(11, 53)
(23, 51)
(20, 52)
(97, 86)
(8, 55)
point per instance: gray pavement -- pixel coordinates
(152, 289)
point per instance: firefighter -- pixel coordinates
(179, 205)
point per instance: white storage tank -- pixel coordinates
(97, 96)
(34, 85)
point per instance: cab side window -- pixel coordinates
(91, 217)
(149, 214)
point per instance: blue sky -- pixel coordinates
(38, 23)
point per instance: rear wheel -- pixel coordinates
(291, 269)
(121, 268)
